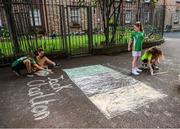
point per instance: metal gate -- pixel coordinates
(67, 28)
(78, 29)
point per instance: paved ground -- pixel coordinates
(101, 94)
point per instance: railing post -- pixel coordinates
(138, 11)
(63, 28)
(164, 15)
(90, 29)
(11, 24)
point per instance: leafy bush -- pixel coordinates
(4, 32)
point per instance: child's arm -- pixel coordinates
(150, 66)
(129, 45)
(158, 60)
(38, 67)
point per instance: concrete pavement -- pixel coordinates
(95, 92)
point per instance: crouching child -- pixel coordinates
(150, 59)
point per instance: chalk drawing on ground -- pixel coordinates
(112, 92)
(40, 100)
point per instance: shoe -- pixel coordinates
(144, 66)
(138, 70)
(134, 72)
(29, 75)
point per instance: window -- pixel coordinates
(37, 17)
(75, 16)
(146, 16)
(147, 1)
(128, 16)
(175, 18)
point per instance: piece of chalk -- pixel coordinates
(160, 73)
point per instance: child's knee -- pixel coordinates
(27, 61)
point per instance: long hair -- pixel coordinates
(36, 52)
(139, 25)
(156, 52)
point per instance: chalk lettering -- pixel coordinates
(42, 102)
(63, 87)
(55, 86)
(36, 83)
(41, 115)
(38, 104)
(37, 93)
(41, 96)
(52, 81)
(39, 109)
(33, 91)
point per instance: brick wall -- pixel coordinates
(172, 16)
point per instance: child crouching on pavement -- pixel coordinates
(151, 58)
(27, 63)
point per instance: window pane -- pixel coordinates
(128, 17)
(147, 16)
(37, 17)
(75, 15)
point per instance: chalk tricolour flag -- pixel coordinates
(111, 91)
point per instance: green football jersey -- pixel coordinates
(137, 39)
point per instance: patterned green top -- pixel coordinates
(137, 39)
(21, 59)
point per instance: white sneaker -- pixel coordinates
(138, 70)
(29, 75)
(134, 72)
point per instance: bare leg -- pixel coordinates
(27, 63)
(134, 62)
(134, 66)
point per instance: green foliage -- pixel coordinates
(153, 2)
(4, 32)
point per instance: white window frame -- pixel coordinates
(175, 18)
(75, 15)
(37, 17)
(147, 1)
(128, 16)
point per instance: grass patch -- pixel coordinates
(74, 43)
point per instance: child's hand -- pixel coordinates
(129, 48)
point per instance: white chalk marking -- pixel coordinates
(36, 83)
(38, 104)
(113, 92)
(160, 73)
(123, 100)
(39, 109)
(41, 115)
